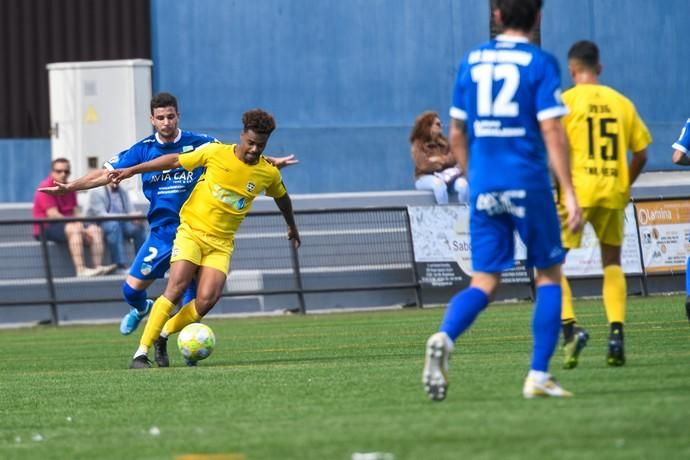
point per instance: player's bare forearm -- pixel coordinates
(558, 151)
(169, 161)
(681, 158)
(92, 179)
(281, 162)
(285, 205)
(458, 143)
(638, 161)
(559, 158)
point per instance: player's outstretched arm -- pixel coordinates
(281, 162)
(559, 157)
(680, 158)
(169, 161)
(92, 179)
(285, 205)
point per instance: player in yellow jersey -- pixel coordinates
(602, 127)
(221, 199)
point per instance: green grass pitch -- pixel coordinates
(326, 386)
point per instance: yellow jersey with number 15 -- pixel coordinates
(602, 126)
(225, 192)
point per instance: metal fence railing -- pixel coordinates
(343, 250)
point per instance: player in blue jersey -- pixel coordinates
(506, 118)
(166, 192)
(680, 157)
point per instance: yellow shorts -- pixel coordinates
(202, 249)
(607, 223)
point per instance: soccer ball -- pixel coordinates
(196, 342)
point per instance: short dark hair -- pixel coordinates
(586, 52)
(59, 160)
(518, 14)
(259, 121)
(163, 100)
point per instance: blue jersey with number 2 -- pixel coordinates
(503, 89)
(166, 190)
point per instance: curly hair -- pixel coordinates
(421, 131)
(259, 121)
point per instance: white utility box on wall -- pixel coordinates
(98, 109)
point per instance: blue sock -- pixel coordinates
(546, 325)
(189, 293)
(136, 299)
(687, 277)
(462, 310)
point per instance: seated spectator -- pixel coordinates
(113, 200)
(435, 167)
(75, 234)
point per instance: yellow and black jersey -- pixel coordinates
(602, 127)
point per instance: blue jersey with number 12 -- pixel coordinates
(503, 89)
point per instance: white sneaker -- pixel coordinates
(435, 374)
(532, 389)
(88, 272)
(106, 269)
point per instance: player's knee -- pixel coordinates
(610, 255)
(486, 282)
(205, 300)
(549, 275)
(133, 296)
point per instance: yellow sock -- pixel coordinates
(159, 315)
(567, 312)
(186, 315)
(614, 292)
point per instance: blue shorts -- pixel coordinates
(496, 216)
(55, 232)
(153, 258)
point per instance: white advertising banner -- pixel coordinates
(586, 260)
(442, 251)
(664, 227)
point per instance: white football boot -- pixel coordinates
(435, 374)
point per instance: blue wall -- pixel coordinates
(26, 162)
(345, 79)
(643, 53)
